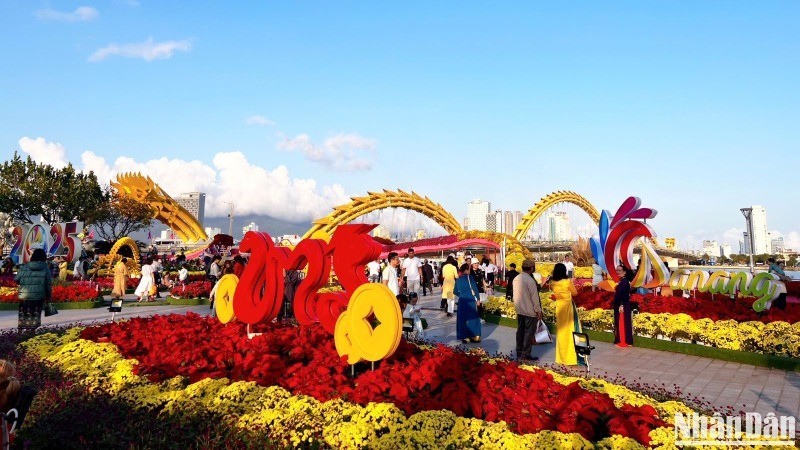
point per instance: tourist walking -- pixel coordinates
(8, 266)
(390, 274)
(412, 311)
(468, 322)
(489, 273)
(597, 275)
(120, 279)
(427, 277)
(374, 271)
(623, 323)
(9, 386)
(35, 289)
(529, 308)
(566, 317)
(477, 274)
(449, 275)
(157, 267)
(412, 272)
(570, 267)
(146, 283)
(77, 269)
(511, 274)
(215, 269)
(63, 266)
(183, 275)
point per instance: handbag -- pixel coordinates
(50, 309)
(542, 335)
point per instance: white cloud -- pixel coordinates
(792, 240)
(732, 236)
(44, 152)
(348, 152)
(81, 14)
(148, 50)
(232, 178)
(259, 120)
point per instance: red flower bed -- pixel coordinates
(303, 360)
(7, 281)
(74, 293)
(720, 308)
(196, 289)
(61, 294)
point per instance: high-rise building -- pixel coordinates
(494, 221)
(517, 218)
(711, 248)
(744, 244)
(671, 243)
(559, 226)
(725, 250)
(251, 227)
(381, 232)
(761, 240)
(195, 203)
(777, 246)
(508, 222)
(476, 215)
(211, 232)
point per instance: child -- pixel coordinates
(412, 311)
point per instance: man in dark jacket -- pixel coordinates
(35, 288)
(510, 275)
(427, 277)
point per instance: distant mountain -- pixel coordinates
(275, 227)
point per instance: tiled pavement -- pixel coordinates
(723, 384)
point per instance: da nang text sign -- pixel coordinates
(59, 239)
(618, 235)
(349, 314)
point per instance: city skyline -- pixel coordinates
(306, 105)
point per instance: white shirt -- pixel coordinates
(489, 268)
(412, 311)
(183, 274)
(597, 272)
(374, 267)
(411, 266)
(570, 266)
(390, 279)
(77, 269)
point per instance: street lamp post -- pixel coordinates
(748, 215)
(230, 217)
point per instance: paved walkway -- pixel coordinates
(721, 383)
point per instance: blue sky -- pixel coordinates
(290, 107)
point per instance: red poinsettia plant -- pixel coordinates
(60, 294)
(699, 305)
(195, 289)
(303, 360)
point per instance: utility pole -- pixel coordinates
(231, 214)
(748, 215)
